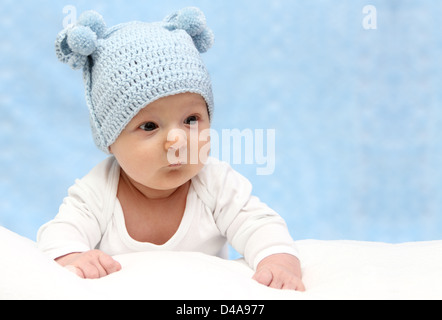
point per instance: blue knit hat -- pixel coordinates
(130, 65)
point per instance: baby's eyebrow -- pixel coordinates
(145, 112)
(186, 107)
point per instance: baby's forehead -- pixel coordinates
(179, 103)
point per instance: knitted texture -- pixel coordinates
(130, 65)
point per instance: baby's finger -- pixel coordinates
(300, 286)
(264, 276)
(108, 264)
(92, 270)
(277, 283)
(294, 284)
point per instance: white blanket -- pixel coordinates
(331, 269)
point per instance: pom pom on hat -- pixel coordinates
(82, 40)
(190, 19)
(94, 21)
(193, 21)
(204, 40)
(75, 43)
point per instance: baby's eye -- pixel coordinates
(191, 120)
(148, 126)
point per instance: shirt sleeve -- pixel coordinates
(251, 227)
(78, 225)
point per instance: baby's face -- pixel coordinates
(158, 147)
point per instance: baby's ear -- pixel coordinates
(193, 21)
(76, 42)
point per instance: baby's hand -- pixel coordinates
(90, 264)
(280, 271)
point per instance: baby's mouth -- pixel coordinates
(175, 165)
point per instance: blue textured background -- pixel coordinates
(357, 112)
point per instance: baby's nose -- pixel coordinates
(176, 140)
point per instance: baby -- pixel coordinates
(150, 97)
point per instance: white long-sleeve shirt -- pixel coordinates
(219, 208)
